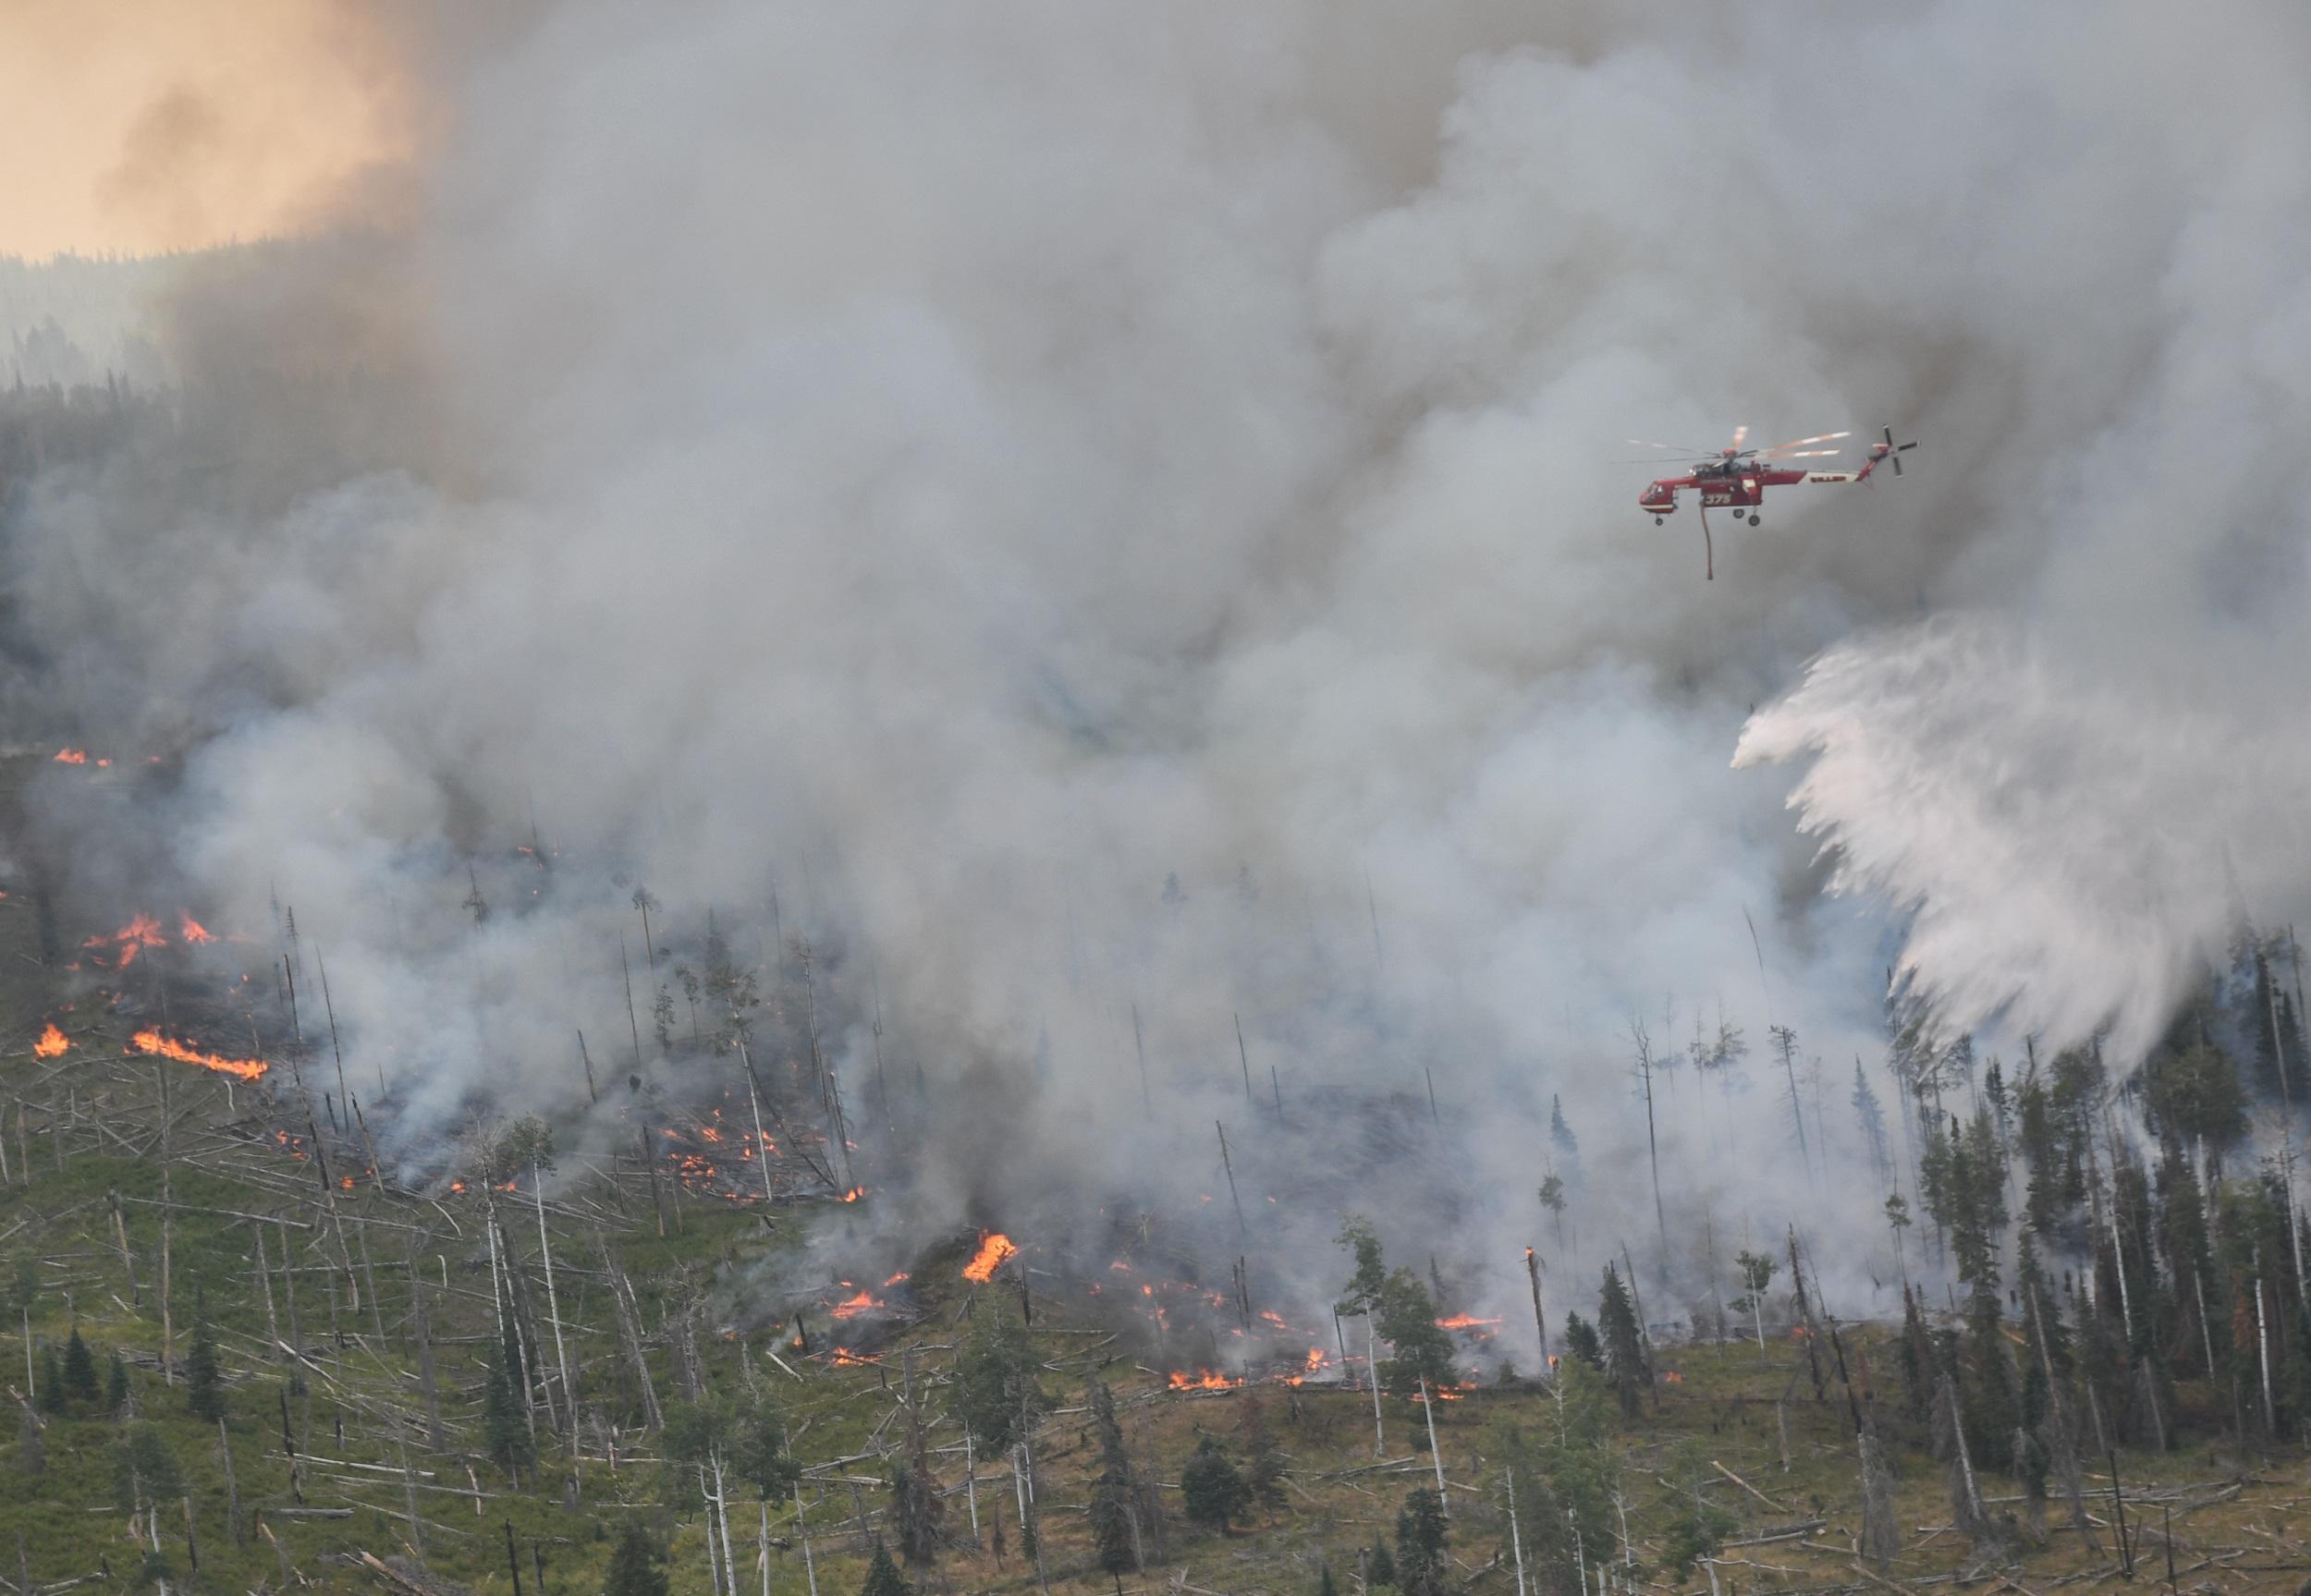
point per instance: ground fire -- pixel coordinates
(153, 1043)
(993, 1250)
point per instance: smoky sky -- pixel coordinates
(965, 470)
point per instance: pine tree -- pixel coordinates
(1560, 1133)
(204, 1387)
(882, 1577)
(79, 1368)
(1325, 1587)
(1422, 1567)
(637, 1564)
(116, 1383)
(1211, 1490)
(1624, 1346)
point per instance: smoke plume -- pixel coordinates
(1086, 511)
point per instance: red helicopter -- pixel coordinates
(1738, 478)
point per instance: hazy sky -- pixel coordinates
(138, 126)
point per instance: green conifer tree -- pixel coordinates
(1422, 1567)
(1581, 1344)
(1211, 1490)
(637, 1564)
(51, 1393)
(79, 1368)
(116, 1383)
(504, 1428)
(1420, 1349)
(1112, 1503)
(995, 1393)
(882, 1577)
(1381, 1564)
(1624, 1346)
(204, 1385)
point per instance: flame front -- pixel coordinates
(152, 1041)
(51, 1043)
(1201, 1380)
(72, 756)
(851, 1307)
(994, 1250)
(194, 931)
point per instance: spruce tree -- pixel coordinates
(1422, 1567)
(1369, 1284)
(1211, 1490)
(637, 1564)
(995, 1393)
(79, 1368)
(1111, 1506)
(1263, 1462)
(1420, 1349)
(1381, 1565)
(1697, 1526)
(1624, 1346)
(51, 1380)
(1872, 1115)
(505, 1427)
(1581, 1344)
(205, 1386)
(1325, 1587)
(144, 1471)
(1560, 1133)
(116, 1383)
(882, 1577)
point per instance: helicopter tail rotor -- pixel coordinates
(1890, 451)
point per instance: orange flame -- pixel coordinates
(894, 1280)
(152, 1041)
(1466, 1321)
(851, 1307)
(844, 1359)
(855, 1193)
(1203, 1380)
(994, 1250)
(51, 1043)
(194, 931)
(1673, 1377)
(71, 756)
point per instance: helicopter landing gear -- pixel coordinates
(1657, 521)
(1752, 519)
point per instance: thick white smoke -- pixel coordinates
(966, 468)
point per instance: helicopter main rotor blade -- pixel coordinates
(1739, 433)
(1801, 442)
(1673, 448)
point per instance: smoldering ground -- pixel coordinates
(1105, 510)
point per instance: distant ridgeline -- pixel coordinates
(74, 321)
